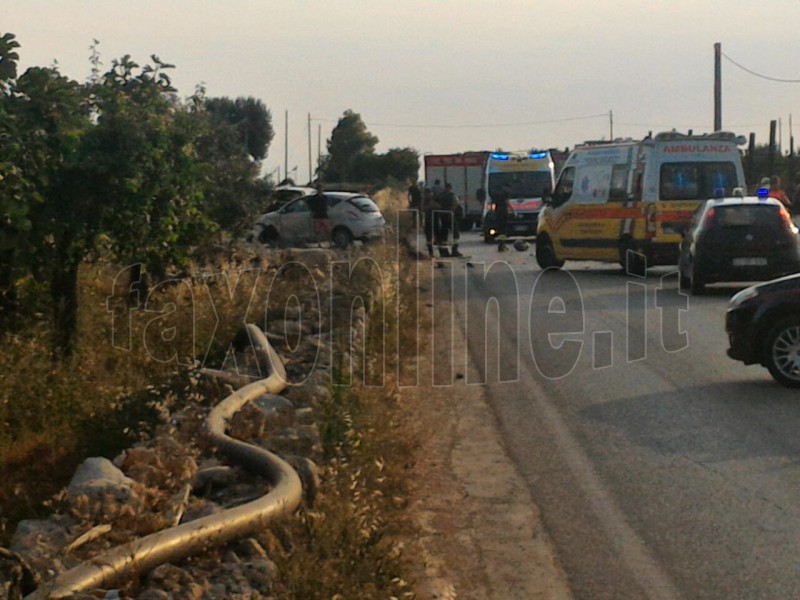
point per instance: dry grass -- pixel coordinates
(52, 415)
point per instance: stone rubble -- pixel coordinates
(145, 488)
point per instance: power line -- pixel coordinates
(743, 68)
(479, 126)
(684, 126)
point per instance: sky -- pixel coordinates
(443, 76)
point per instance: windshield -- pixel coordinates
(364, 204)
(531, 184)
(697, 180)
(747, 215)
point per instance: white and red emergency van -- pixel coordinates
(633, 199)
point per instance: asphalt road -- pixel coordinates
(663, 469)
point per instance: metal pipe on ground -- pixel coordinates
(144, 554)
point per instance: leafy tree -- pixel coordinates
(236, 140)
(349, 141)
(106, 167)
(13, 205)
(8, 59)
(248, 118)
(46, 115)
(118, 168)
(140, 168)
(400, 164)
(352, 158)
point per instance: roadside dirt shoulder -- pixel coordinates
(481, 535)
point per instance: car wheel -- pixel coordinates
(631, 259)
(546, 254)
(782, 352)
(268, 235)
(342, 238)
(696, 284)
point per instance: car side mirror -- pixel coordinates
(547, 199)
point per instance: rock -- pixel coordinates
(34, 537)
(169, 578)
(167, 465)
(98, 478)
(153, 594)
(260, 573)
(217, 590)
(303, 440)
(272, 404)
(312, 393)
(97, 469)
(214, 476)
(241, 580)
(193, 591)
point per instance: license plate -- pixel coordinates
(518, 228)
(749, 262)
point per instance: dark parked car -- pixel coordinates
(738, 239)
(763, 326)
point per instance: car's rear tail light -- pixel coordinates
(708, 223)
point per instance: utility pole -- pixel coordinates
(717, 87)
(310, 172)
(771, 155)
(285, 146)
(611, 125)
(319, 146)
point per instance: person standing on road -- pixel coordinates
(447, 208)
(456, 213)
(776, 192)
(318, 206)
(480, 196)
(414, 196)
(501, 212)
(428, 217)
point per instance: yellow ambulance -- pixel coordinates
(629, 201)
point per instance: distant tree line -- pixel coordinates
(763, 160)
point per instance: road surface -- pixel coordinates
(662, 468)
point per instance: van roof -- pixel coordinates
(670, 136)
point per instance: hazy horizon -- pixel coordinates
(446, 76)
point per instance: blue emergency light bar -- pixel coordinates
(763, 192)
(498, 156)
(538, 155)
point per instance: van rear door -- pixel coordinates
(684, 173)
(588, 224)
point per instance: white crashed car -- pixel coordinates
(353, 217)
